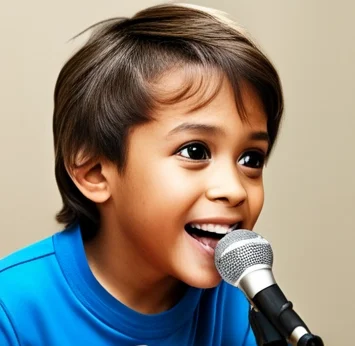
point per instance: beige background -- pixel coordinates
(308, 216)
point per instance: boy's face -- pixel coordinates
(203, 167)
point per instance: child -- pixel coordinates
(162, 125)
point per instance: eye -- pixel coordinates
(195, 151)
(252, 159)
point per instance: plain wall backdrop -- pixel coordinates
(309, 181)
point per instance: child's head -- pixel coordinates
(147, 99)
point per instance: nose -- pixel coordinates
(226, 187)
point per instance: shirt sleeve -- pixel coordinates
(8, 335)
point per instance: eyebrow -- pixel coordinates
(215, 130)
(260, 136)
(195, 127)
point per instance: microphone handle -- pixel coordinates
(279, 311)
(264, 331)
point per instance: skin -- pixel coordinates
(142, 255)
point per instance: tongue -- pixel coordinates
(212, 243)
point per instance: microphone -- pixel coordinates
(244, 259)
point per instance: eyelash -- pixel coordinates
(247, 156)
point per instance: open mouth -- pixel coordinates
(209, 235)
(201, 233)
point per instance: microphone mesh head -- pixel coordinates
(239, 250)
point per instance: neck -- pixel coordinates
(128, 277)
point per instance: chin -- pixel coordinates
(203, 280)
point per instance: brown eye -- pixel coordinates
(252, 159)
(195, 151)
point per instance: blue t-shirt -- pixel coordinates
(49, 296)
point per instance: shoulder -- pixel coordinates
(27, 277)
(26, 255)
(26, 270)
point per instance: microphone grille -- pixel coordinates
(240, 250)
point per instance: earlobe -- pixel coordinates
(90, 180)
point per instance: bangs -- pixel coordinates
(196, 85)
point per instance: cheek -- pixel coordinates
(163, 187)
(256, 202)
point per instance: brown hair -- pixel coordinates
(110, 85)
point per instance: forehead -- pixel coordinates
(205, 93)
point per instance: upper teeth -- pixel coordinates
(209, 227)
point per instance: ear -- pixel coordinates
(90, 179)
